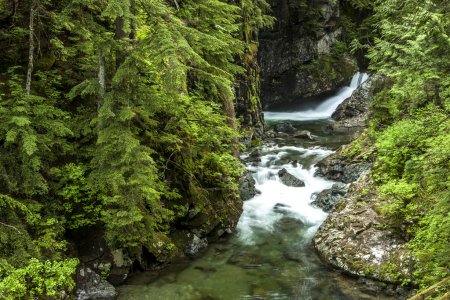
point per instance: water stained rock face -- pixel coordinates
(296, 56)
(353, 112)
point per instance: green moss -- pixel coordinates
(391, 272)
(360, 149)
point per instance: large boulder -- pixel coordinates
(353, 238)
(289, 179)
(91, 286)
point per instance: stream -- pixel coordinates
(270, 256)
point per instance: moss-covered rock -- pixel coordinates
(353, 238)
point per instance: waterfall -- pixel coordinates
(259, 213)
(270, 256)
(325, 109)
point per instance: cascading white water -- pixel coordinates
(270, 257)
(259, 212)
(325, 109)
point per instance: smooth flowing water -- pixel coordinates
(271, 256)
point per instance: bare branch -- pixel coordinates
(176, 4)
(10, 226)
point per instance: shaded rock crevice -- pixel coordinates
(297, 56)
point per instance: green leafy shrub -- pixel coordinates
(38, 279)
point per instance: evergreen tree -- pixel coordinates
(115, 114)
(410, 123)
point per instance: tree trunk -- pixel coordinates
(101, 79)
(31, 51)
(231, 120)
(120, 34)
(133, 22)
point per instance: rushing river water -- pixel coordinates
(271, 256)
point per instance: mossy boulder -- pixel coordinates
(354, 238)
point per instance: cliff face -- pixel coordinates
(301, 56)
(248, 101)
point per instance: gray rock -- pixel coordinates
(254, 156)
(281, 208)
(270, 134)
(328, 198)
(289, 179)
(195, 245)
(285, 127)
(247, 188)
(91, 286)
(327, 41)
(337, 168)
(304, 134)
(339, 188)
(256, 153)
(353, 112)
(328, 9)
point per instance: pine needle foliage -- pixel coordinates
(410, 124)
(129, 122)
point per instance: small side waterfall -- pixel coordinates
(326, 108)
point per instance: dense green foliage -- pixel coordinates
(50, 279)
(118, 114)
(410, 126)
